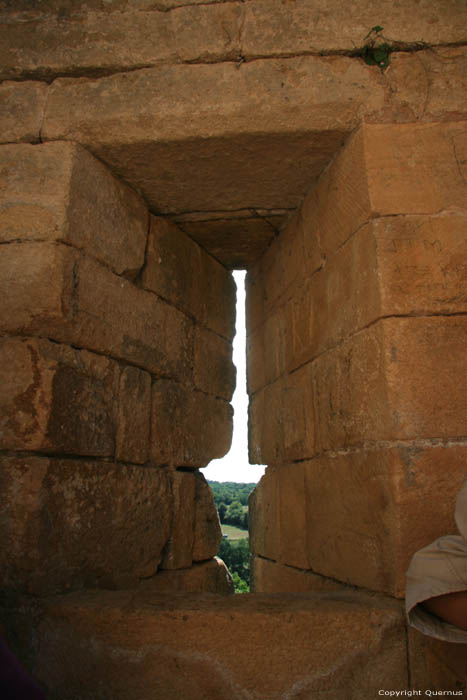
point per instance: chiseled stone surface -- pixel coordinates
(356, 517)
(21, 111)
(437, 665)
(207, 533)
(213, 369)
(50, 289)
(211, 576)
(350, 645)
(134, 416)
(188, 428)
(71, 524)
(49, 193)
(268, 576)
(178, 552)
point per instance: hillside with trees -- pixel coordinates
(231, 501)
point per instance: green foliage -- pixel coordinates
(234, 514)
(236, 555)
(376, 51)
(241, 586)
(222, 509)
(229, 491)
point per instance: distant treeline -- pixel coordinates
(229, 491)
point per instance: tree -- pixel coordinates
(234, 514)
(222, 509)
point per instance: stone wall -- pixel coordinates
(116, 375)
(356, 376)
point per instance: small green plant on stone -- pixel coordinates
(376, 50)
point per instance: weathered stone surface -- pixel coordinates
(21, 111)
(210, 576)
(207, 528)
(73, 524)
(182, 646)
(49, 192)
(95, 43)
(178, 552)
(281, 425)
(178, 270)
(57, 399)
(188, 428)
(213, 370)
(436, 665)
(303, 27)
(134, 416)
(398, 379)
(357, 517)
(268, 576)
(51, 290)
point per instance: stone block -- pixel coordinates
(436, 665)
(263, 516)
(398, 379)
(268, 576)
(213, 370)
(57, 399)
(207, 533)
(188, 428)
(49, 193)
(210, 576)
(368, 512)
(178, 552)
(149, 645)
(303, 27)
(281, 420)
(134, 416)
(72, 524)
(49, 289)
(178, 270)
(21, 110)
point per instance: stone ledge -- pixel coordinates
(125, 645)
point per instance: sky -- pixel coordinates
(234, 466)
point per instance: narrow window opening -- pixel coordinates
(232, 478)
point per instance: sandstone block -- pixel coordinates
(210, 576)
(132, 439)
(21, 110)
(178, 552)
(188, 428)
(268, 576)
(49, 193)
(398, 379)
(178, 270)
(73, 524)
(51, 290)
(290, 29)
(368, 512)
(281, 420)
(57, 399)
(213, 371)
(207, 528)
(183, 647)
(436, 665)
(263, 518)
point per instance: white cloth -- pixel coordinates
(436, 570)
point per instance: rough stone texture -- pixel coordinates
(182, 647)
(49, 193)
(21, 111)
(437, 665)
(210, 576)
(268, 576)
(134, 418)
(402, 378)
(207, 528)
(57, 399)
(178, 270)
(281, 422)
(213, 370)
(188, 428)
(178, 553)
(71, 524)
(357, 517)
(49, 289)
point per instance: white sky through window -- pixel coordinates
(234, 466)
